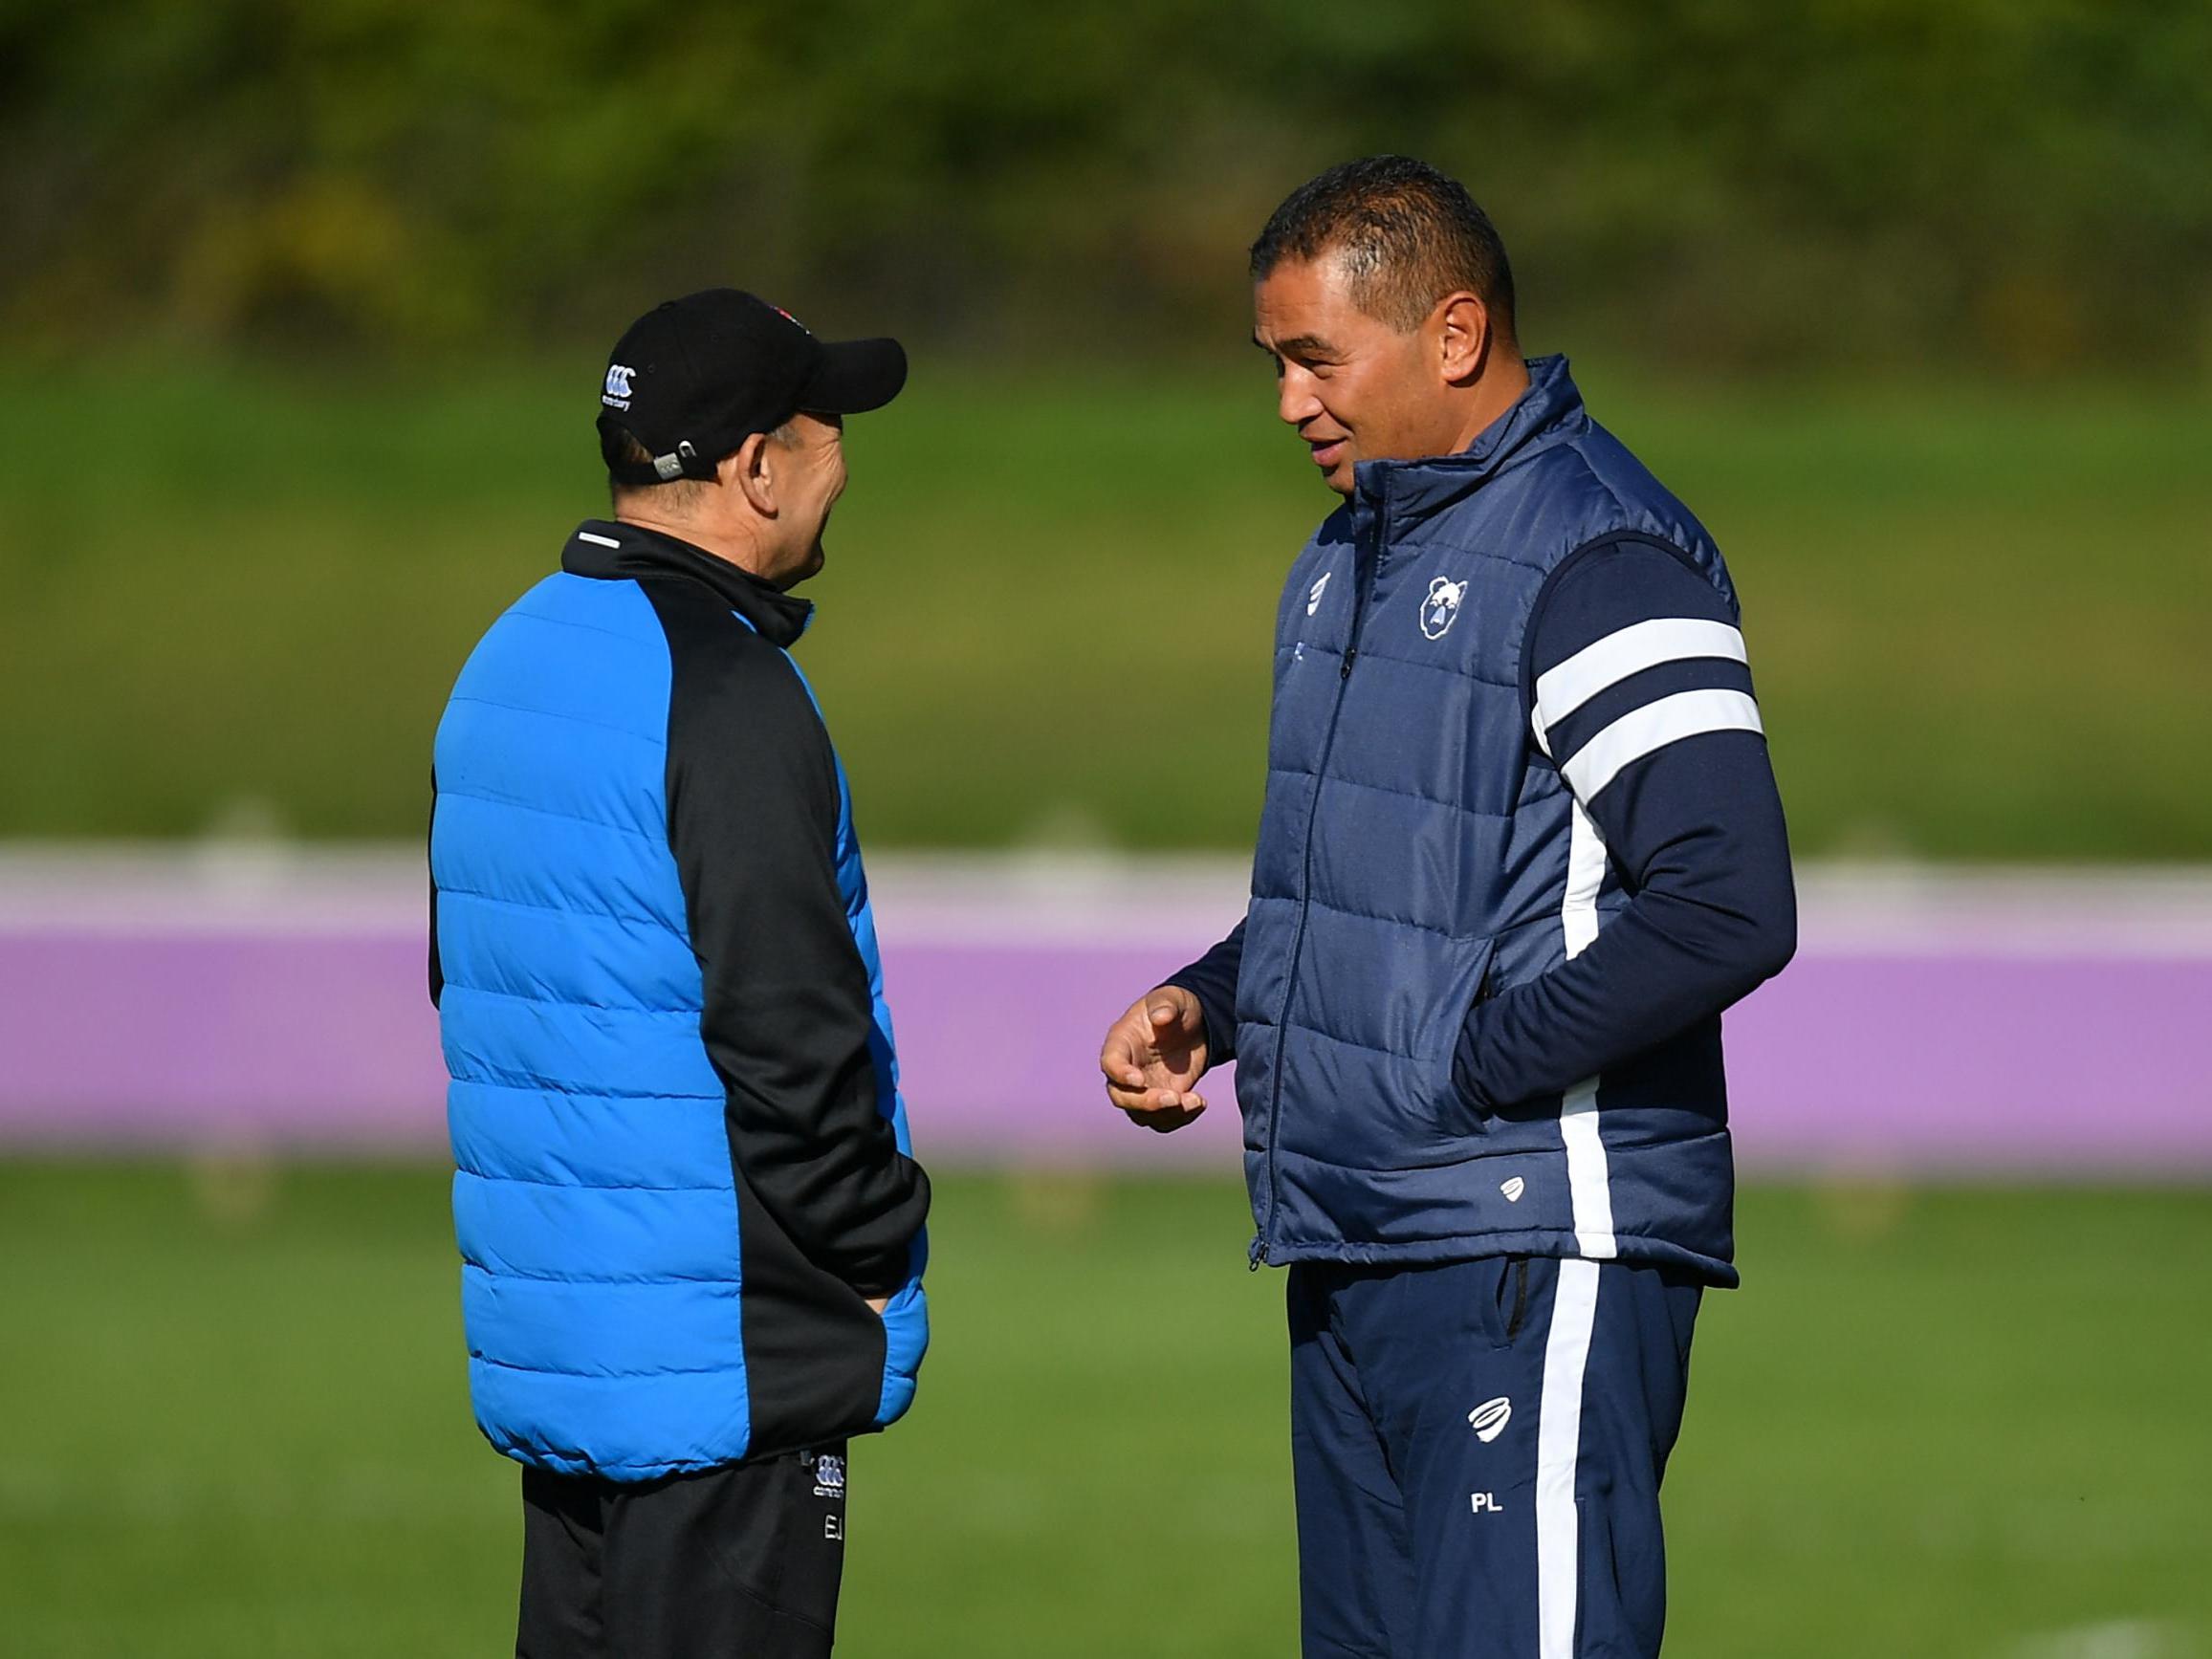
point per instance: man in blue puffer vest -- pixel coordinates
(690, 1225)
(1520, 847)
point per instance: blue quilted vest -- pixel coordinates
(594, 1198)
(1413, 854)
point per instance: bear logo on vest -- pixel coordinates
(1441, 608)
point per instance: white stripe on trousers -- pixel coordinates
(1558, 1452)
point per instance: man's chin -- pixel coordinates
(812, 567)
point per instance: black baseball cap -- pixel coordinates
(694, 377)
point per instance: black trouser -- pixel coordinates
(740, 1563)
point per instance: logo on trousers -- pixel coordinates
(828, 1475)
(1488, 1420)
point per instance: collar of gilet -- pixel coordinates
(610, 550)
(1548, 412)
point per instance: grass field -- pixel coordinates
(236, 600)
(1944, 1424)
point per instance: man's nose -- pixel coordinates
(1294, 398)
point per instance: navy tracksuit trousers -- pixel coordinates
(1478, 1449)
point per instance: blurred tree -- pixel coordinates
(2025, 184)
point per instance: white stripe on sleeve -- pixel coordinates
(1560, 692)
(1586, 873)
(1653, 726)
(1589, 1176)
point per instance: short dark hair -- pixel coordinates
(673, 493)
(1407, 234)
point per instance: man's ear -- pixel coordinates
(1464, 337)
(747, 469)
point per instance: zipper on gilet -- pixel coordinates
(1363, 585)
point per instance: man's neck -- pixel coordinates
(730, 547)
(1503, 382)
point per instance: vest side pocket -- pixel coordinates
(1448, 1112)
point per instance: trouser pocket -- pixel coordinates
(1513, 1296)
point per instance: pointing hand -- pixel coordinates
(1152, 1058)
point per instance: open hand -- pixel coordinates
(1153, 1054)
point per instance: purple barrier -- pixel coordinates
(1974, 1063)
(1970, 1044)
(182, 1037)
(330, 1040)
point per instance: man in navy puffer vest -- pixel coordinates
(1520, 847)
(690, 1225)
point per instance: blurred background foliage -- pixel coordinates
(305, 306)
(2017, 184)
(303, 309)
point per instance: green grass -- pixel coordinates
(237, 601)
(1943, 1423)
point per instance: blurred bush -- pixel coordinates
(2024, 185)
